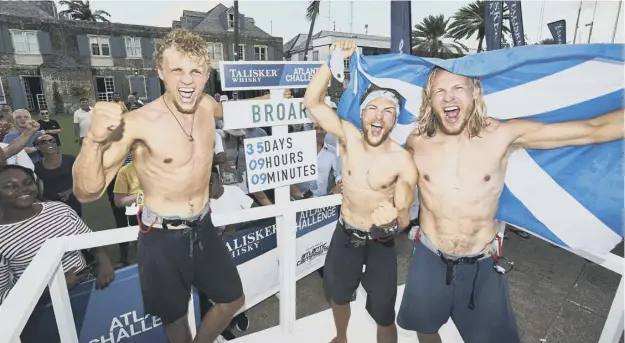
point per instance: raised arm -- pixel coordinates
(103, 150)
(19, 143)
(314, 99)
(534, 135)
(405, 190)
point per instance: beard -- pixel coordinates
(378, 143)
(183, 110)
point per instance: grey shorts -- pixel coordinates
(428, 302)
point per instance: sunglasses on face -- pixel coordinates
(46, 141)
(44, 113)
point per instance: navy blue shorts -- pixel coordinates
(428, 302)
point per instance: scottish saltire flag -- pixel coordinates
(570, 196)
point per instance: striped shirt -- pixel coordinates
(20, 242)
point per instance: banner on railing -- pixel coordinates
(115, 314)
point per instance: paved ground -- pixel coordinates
(558, 297)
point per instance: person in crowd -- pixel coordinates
(24, 125)
(138, 100)
(328, 170)
(26, 224)
(378, 190)
(133, 103)
(125, 192)
(15, 152)
(82, 120)
(172, 142)
(117, 98)
(6, 121)
(50, 126)
(235, 154)
(55, 172)
(227, 198)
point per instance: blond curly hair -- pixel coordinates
(185, 42)
(427, 122)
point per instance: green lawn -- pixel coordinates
(97, 215)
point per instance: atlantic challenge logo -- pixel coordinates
(313, 252)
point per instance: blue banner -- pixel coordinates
(493, 18)
(116, 314)
(246, 75)
(558, 31)
(401, 27)
(516, 22)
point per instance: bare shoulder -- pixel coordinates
(149, 112)
(414, 141)
(208, 103)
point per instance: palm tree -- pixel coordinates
(546, 41)
(469, 21)
(79, 10)
(430, 39)
(311, 14)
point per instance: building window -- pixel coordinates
(346, 64)
(25, 42)
(105, 87)
(241, 51)
(133, 47)
(100, 46)
(230, 20)
(3, 99)
(260, 52)
(315, 55)
(215, 51)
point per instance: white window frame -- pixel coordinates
(98, 38)
(134, 40)
(108, 96)
(145, 86)
(260, 47)
(230, 22)
(346, 64)
(220, 47)
(24, 34)
(4, 96)
(241, 51)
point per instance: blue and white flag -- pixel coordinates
(570, 196)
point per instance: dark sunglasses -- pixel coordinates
(46, 141)
(44, 113)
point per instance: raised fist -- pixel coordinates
(106, 117)
(384, 214)
(347, 46)
(31, 126)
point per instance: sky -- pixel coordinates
(287, 18)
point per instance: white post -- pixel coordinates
(613, 328)
(286, 228)
(191, 316)
(62, 306)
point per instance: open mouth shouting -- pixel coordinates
(452, 113)
(376, 128)
(187, 94)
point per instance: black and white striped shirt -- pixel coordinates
(20, 242)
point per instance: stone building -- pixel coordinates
(50, 62)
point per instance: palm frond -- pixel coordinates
(313, 10)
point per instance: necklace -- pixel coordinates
(189, 135)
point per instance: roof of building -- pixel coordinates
(299, 43)
(212, 22)
(25, 9)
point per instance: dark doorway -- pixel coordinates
(33, 92)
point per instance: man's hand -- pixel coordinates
(347, 46)
(32, 126)
(384, 214)
(64, 196)
(107, 116)
(105, 275)
(73, 279)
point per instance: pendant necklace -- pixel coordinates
(190, 136)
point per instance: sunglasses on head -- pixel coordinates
(46, 141)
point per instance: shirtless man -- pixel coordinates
(461, 156)
(378, 189)
(172, 141)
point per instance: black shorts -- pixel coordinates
(172, 261)
(428, 302)
(343, 273)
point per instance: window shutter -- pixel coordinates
(45, 45)
(118, 47)
(16, 92)
(147, 47)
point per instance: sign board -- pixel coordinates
(254, 75)
(262, 113)
(276, 161)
